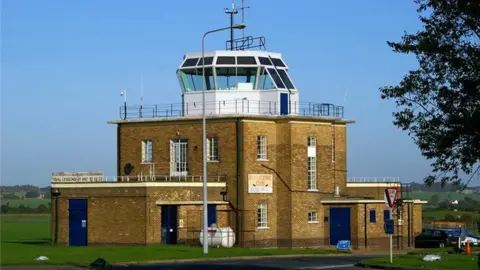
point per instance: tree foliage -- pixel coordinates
(440, 101)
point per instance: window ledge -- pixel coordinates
(264, 160)
(146, 162)
(313, 222)
(263, 228)
(213, 161)
(312, 190)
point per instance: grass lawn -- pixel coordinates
(26, 237)
(34, 203)
(463, 262)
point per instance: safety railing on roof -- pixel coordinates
(373, 179)
(244, 106)
(138, 178)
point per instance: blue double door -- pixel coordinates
(339, 225)
(77, 222)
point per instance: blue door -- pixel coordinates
(339, 225)
(212, 214)
(283, 103)
(77, 222)
(169, 224)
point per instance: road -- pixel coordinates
(305, 263)
(300, 263)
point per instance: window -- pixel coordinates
(262, 147)
(190, 62)
(311, 141)
(286, 79)
(312, 173)
(212, 149)
(179, 157)
(373, 218)
(147, 152)
(276, 78)
(262, 215)
(265, 81)
(312, 217)
(386, 215)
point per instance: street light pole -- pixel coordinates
(204, 137)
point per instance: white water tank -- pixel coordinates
(224, 237)
(214, 237)
(228, 237)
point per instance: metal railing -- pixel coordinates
(252, 107)
(393, 179)
(143, 178)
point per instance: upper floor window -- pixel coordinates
(312, 217)
(147, 151)
(262, 147)
(212, 149)
(179, 157)
(312, 173)
(311, 141)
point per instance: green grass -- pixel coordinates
(34, 203)
(463, 262)
(22, 242)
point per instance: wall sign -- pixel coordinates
(260, 183)
(77, 177)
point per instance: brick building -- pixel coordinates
(277, 170)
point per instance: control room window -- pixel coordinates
(312, 217)
(262, 147)
(212, 149)
(147, 151)
(262, 215)
(179, 157)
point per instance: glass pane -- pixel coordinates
(264, 81)
(246, 60)
(278, 62)
(265, 61)
(226, 60)
(276, 78)
(192, 79)
(236, 78)
(190, 62)
(208, 61)
(285, 78)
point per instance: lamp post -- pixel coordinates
(204, 136)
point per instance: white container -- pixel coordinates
(228, 237)
(214, 237)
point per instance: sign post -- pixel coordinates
(390, 198)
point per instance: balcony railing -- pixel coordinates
(251, 107)
(392, 179)
(137, 178)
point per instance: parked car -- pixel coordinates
(433, 238)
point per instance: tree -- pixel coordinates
(434, 199)
(32, 194)
(439, 101)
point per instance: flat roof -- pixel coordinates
(300, 118)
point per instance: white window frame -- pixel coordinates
(262, 147)
(179, 157)
(147, 152)
(312, 216)
(262, 215)
(311, 141)
(312, 173)
(212, 149)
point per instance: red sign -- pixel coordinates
(391, 194)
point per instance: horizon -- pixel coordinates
(64, 65)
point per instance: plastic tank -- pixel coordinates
(214, 237)
(228, 237)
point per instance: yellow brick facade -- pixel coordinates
(135, 213)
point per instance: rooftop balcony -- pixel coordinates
(98, 177)
(392, 179)
(231, 107)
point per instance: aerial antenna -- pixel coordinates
(141, 91)
(232, 12)
(345, 98)
(243, 7)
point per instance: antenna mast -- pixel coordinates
(232, 12)
(243, 7)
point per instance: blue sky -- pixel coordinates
(64, 64)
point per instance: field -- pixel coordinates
(33, 203)
(440, 214)
(426, 195)
(26, 237)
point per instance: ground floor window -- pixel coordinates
(262, 215)
(312, 217)
(179, 157)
